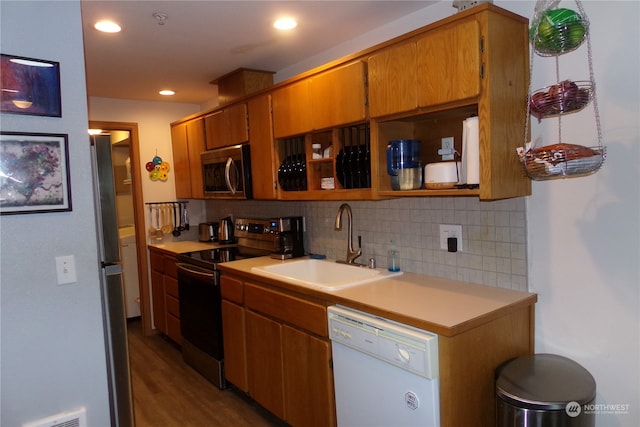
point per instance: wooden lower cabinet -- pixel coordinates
(277, 350)
(308, 381)
(264, 363)
(165, 299)
(234, 342)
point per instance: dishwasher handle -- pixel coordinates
(199, 273)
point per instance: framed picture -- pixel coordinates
(29, 86)
(34, 173)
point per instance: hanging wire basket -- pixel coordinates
(562, 98)
(561, 159)
(559, 31)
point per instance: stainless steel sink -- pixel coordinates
(323, 274)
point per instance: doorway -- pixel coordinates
(135, 187)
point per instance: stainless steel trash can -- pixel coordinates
(544, 390)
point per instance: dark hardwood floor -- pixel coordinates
(167, 392)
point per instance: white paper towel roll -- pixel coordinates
(470, 152)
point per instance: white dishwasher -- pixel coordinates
(385, 373)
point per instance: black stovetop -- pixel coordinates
(209, 258)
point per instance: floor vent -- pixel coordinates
(75, 418)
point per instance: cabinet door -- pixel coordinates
(262, 149)
(187, 142)
(215, 128)
(449, 64)
(159, 306)
(236, 116)
(180, 165)
(264, 362)
(392, 80)
(196, 142)
(227, 127)
(338, 96)
(235, 362)
(291, 110)
(308, 379)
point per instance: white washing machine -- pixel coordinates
(385, 374)
(129, 257)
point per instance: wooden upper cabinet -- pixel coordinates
(339, 96)
(196, 142)
(187, 141)
(393, 80)
(292, 109)
(263, 171)
(228, 126)
(449, 64)
(181, 161)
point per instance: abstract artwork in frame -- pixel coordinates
(34, 173)
(29, 86)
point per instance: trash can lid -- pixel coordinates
(544, 381)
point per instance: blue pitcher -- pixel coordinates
(402, 154)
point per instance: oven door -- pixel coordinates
(226, 172)
(200, 310)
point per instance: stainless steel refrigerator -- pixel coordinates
(111, 284)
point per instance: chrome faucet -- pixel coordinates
(351, 254)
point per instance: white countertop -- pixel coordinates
(446, 307)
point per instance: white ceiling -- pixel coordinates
(203, 40)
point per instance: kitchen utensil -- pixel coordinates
(407, 179)
(208, 231)
(302, 167)
(167, 225)
(346, 161)
(339, 159)
(442, 175)
(185, 216)
(152, 229)
(176, 232)
(157, 234)
(225, 231)
(404, 154)
(181, 226)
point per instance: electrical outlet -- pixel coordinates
(447, 231)
(66, 269)
(447, 151)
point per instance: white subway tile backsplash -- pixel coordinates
(494, 233)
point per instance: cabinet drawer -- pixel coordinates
(157, 261)
(231, 289)
(170, 268)
(171, 287)
(173, 329)
(295, 311)
(173, 306)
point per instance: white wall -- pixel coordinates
(52, 355)
(154, 132)
(584, 234)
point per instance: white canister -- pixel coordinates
(442, 175)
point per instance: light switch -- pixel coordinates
(66, 269)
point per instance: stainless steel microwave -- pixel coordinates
(226, 172)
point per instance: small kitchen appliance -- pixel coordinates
(225, 231)
(226, 172)
(199, 285)
(403, 164)
(208, 231)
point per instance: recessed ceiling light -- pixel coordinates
(167, 92)
(285, 24)
(107, 27)
(95, 131)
